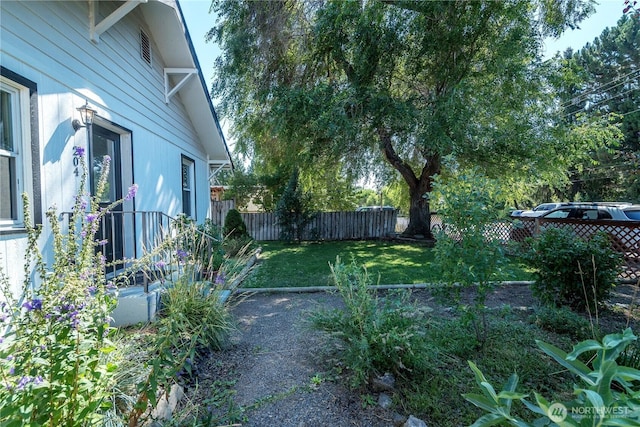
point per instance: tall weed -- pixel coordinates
(377, 334)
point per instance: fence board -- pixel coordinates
(347, 225)
(219, 211)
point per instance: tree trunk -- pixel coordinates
(419, 216)
(419, 187)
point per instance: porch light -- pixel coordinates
(86, 114)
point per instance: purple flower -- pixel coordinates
(92, 289)
(27, 380)
(81, 201)
(220, 278)
(34, 304)
(102, 242)
(23, 382)
(132, 192)
(78, 151)
(91, 217)
(182, 255)
(161, 264)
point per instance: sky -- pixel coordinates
(199, 22)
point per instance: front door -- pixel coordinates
(107, 143)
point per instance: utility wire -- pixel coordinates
(602, 88)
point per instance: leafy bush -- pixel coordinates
(234, 226)
(562, 321)
(607, 394)
(235, 246)
(571, 271)
(379, 334)
(467, 252)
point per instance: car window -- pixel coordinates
(559, 213)
(604, 214)
(633, 215)
(589, 214)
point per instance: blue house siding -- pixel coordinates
(49, 43)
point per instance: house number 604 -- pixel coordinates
(76, 162)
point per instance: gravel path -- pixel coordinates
(276, 372)
(272, 363)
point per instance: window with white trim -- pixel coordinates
(14, 151)
(188, 187)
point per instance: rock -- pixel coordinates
(398, 419)
(384, 383)
(385, 401)
(167, 404)
(414, 422)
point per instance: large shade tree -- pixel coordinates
(607, 80)
(361, 84)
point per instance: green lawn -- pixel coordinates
(307, 264)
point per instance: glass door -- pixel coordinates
(105, 152)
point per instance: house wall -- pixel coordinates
(48, 43)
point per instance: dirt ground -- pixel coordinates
(275, 372)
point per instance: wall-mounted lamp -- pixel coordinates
(86, 114)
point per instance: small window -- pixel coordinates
(19, 150)
(188, 184)
(145, 47)
(12, 152)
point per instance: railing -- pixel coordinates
(142, 246)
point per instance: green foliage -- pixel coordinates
(202, 243)
(53, 368)
(292, 210)
(630, 357)
(466, 252)
(200, 311)
(598, 85)
(359, 86)
(234, 226)
(378, 335)
(607, 394)
(561, 320)
(239, 245)
(194, 319)
(571, 271)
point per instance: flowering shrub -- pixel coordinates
(52, 365)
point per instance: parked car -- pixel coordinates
(538, 210)
(580, 216)
(375, 208)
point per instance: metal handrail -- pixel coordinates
(137, 234)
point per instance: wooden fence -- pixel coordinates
(219, 210)
(324, 226)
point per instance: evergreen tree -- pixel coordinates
(292, 210)
(607, 85)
